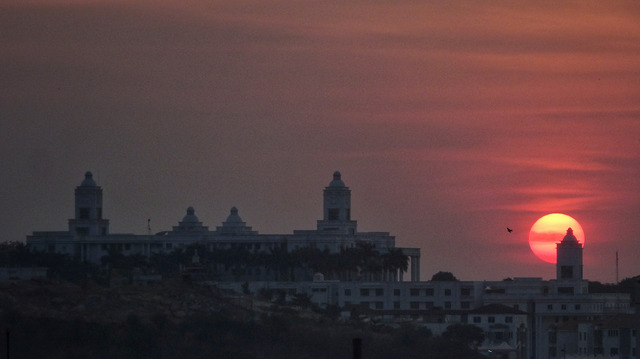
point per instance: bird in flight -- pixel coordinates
(509, 230)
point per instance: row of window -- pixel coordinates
(563, 307)
(414, 292)
(415, 305)
(116, 246)
(491, 319)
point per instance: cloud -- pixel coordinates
(449, 120)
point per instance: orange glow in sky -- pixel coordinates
(449, 120)
(548, 231)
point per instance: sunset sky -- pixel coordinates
(449, 120)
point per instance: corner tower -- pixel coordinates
(88, 219)
(337, 208)
(569, 264)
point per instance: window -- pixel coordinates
(612, 332)
(333, 214)
(566, 272)
(549, 306)
(577, 307)
(491, 319)
(379, 292)
(82, 231)
(99, 210)
(414, 305)
(465, 305)
(414, 292)
(379, 305)
(447, 305)
(563, 307)
(347, 292)
(447, 292)
(565, 290)
(508, 319)
(465, 291)
(396, 305)
(84, 213)
(396, 292)
(364, 292)
(429, 291)
(477, 319)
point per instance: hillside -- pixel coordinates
(174, 319)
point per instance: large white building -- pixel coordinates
(523, 318)
(88, 237)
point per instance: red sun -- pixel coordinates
(549, 231)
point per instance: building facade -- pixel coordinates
(88, 237)
(523, 318)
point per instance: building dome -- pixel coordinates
(88, 180)
(569, 237)
(234, 225)
(337, 182)
(191, 216)
(234, 217)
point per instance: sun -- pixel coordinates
(549, 231)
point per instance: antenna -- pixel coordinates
(149, 226)
(617, 282)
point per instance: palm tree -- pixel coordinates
(281, 261)
(395, 260)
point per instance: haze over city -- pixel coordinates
(449, 121)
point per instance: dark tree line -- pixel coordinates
(273, 335)
(275, 263)
(60, 266)
(361, 262)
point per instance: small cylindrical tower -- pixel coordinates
(337, 207)
(569, 265)
(569, 258)
(88, 219)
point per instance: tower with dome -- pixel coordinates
(89, 239)
(569, 265)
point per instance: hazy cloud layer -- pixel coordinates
(449, 120)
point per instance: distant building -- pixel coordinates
(522, 318)
(8, 274)
(88, 237)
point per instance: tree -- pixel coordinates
(444, 277)
(281, 261)
(466, 334)
(395, 260)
